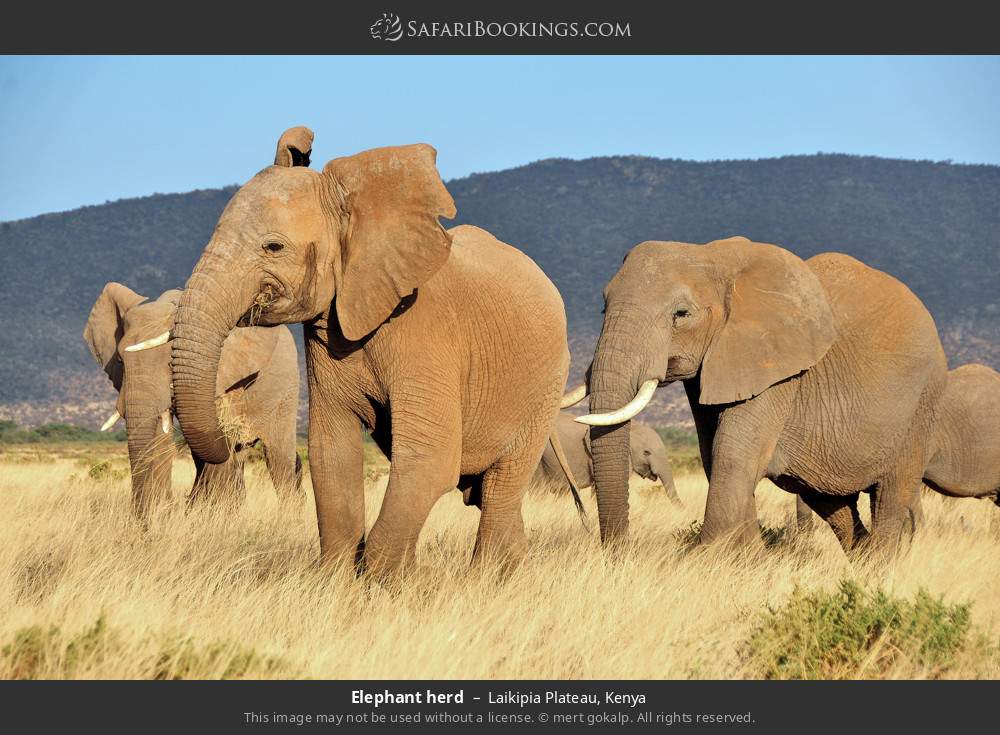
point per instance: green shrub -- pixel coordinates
(38, 653)
(689, 534)
(853, 633)
(182, 658)
(771, 535)
(34, 652)
(105, 470)
(55, 433)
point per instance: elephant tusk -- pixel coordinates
(165, 422)
(626, 412)
(112, 420)
(149, 343)
(574, 396)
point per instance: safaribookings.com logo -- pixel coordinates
(390, 28)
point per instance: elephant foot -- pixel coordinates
(497, 563)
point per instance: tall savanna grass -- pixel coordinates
(86, 593)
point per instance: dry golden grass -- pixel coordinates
(85, 594)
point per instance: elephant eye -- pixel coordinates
(646, 452)
(681, 313)
(274, 247)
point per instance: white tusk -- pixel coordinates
(574, 396)
(165, 422)
(626, 412)
(149, 343)
(112, 420)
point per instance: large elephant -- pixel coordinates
(965, 455)
(822, 375)
(257, 390)
(648, 454)
(449, 345)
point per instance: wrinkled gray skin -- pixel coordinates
(258, 383)
(648, 454)
(448, 344)
(965, 458)
(822, 375)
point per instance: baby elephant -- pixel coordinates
(965, 453)
(257, 396)
(649, 457)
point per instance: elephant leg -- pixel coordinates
(285, 468)
(336, 465)
(414, 487)
(917, 509)
(803, 515)
(841, 512)
(283, 463)
(218, 483)
(501, 538)
(742, 448)
(893, 519)
(425, 457)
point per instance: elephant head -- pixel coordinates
(733, 316)
(294, 244)
(649, 455)
(128, 337)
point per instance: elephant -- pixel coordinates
(257, 388)
(448, 345)
(965, 461)
(648, 456)
(965, 456)
(823, 375)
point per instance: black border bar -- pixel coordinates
(769, 707)
(665, 27)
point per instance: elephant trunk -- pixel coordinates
(150, 454)
(614, 381)
(207, 312)
(150, 449)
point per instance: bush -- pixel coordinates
(852, 633)
(38, 653)
(181, 658)
(690, 534)
(104, 470)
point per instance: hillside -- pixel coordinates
(936, 226)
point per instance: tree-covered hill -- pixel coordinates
(936, 226)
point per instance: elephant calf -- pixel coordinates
(257, 386)
(649, 457)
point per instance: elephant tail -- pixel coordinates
(564, 464)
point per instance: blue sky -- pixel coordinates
(77, 131)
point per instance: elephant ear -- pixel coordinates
(394, 242)
(172, 296)
(245, 352)
(778, 323)
(105, 327)
(294, 147)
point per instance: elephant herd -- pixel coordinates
(825, 375)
